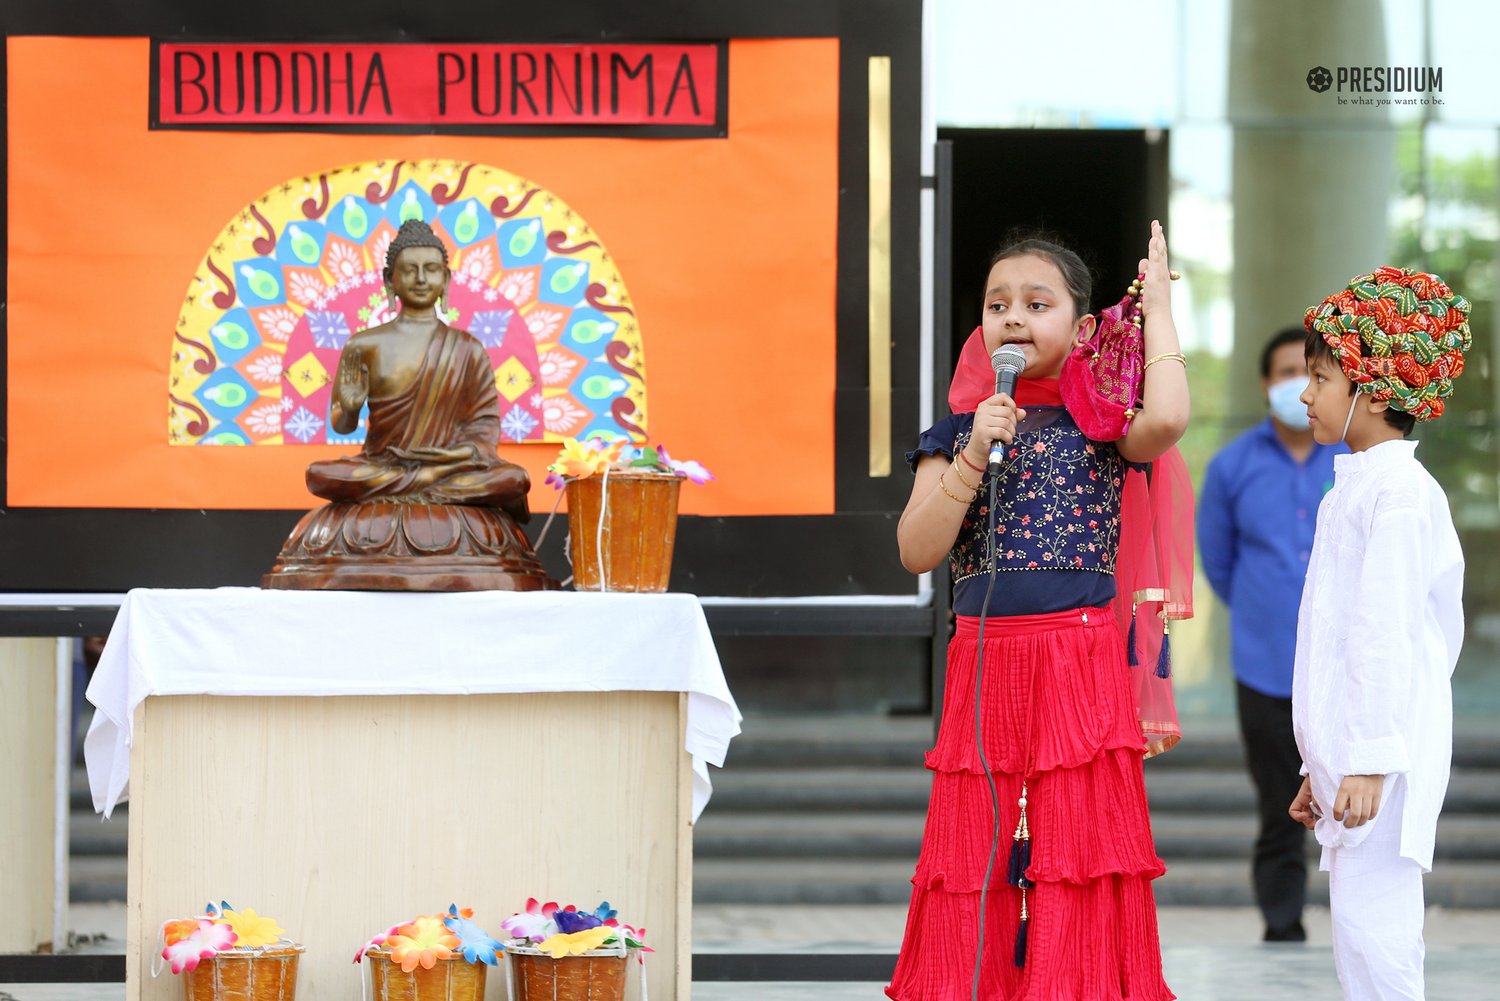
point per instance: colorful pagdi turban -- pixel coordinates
(1398, 335)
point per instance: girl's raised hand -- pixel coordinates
(1157, 295)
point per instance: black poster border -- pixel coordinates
(719, 129)
(849, 552)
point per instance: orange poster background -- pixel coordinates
(727, 248)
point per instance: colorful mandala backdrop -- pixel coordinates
(298, 271)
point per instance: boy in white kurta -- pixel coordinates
(1381, 620)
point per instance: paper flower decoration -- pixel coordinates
(532, 924)
(251, 929)
(425, 940)
(567, 931)
(580, 460)
(473, 941)
(175, 931)
(187, 941)
(576, 943)
(205, 940)
(421, 942)
(635, 938)
(376, 941)
(569, 922)
(690, 468)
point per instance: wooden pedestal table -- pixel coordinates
(32, 682)
(341, 814)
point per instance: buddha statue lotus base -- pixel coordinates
(388, 546)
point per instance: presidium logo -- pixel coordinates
(1379, 85)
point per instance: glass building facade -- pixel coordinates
(1284, 183)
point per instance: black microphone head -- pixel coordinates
(1008, 358)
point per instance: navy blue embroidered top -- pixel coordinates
(1057, 515)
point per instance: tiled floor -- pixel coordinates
(1211, 954)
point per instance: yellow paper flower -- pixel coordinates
(577, 943)
(578, 460)
(252, 929)
(423, 941)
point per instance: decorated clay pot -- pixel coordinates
(591, 976)
(621, 530)
(449, 979)
(268, 974)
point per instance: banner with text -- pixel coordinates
(646, 90)
(177, 298)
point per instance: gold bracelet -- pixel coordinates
(1169, 356)
(960, 474)
(955, 496)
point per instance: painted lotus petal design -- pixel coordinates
(517, 284)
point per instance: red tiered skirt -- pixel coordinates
(1059, 711)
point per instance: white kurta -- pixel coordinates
(1378, 634)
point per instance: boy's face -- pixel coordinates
(1328, 399)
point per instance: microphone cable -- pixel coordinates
(1016, 363)
(989, 776)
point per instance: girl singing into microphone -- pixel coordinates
(1068, 911)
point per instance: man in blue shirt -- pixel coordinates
(1256, 515)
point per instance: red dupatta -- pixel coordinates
(1154, 565)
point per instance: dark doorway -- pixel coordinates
(1095, 190)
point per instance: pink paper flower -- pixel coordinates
(534, 923)
(209, 938)
(377, 940)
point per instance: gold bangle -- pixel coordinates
(1169, 356)
(960, 474)
(955, 496)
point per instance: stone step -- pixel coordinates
(1187, 790)
(859, 742)
(96, 878)
(844, 880)
(898, 836)
(1195, 883)
(90, 834)
(835, 741)
(832, 741)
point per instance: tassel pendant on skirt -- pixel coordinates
(1020, 861)
(1164, 659)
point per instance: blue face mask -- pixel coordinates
(1286, 406)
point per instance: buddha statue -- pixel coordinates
(428, 504)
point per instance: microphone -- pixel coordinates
(1008, 361)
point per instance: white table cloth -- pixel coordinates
(249, 641)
